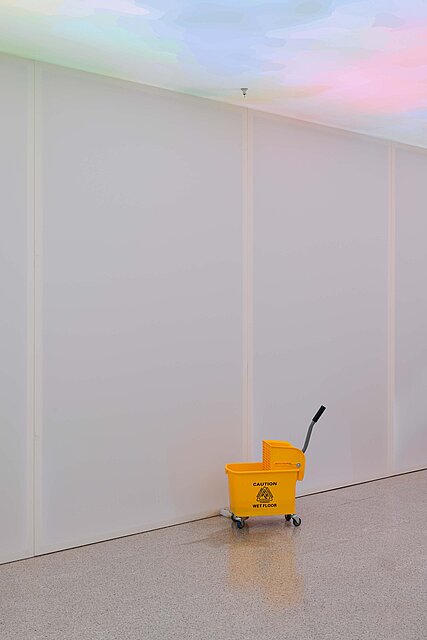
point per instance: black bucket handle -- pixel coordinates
(310, 428)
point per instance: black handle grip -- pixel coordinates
(319, 413)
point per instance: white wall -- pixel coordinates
(141, 198)
(203, 278)
(410, 446)
(16, 268)
(320, 209)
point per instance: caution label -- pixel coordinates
(264, 497)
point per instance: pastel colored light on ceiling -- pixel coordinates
(355, 64)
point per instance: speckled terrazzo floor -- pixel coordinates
(355, 569)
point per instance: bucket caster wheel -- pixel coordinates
(296, 521)
(288, 517)
(240, 522)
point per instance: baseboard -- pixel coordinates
(115, 535)
(312, 492)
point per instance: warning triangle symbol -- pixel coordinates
(264, 495)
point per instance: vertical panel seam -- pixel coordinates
(250, 252)
(391, 308)
(245, 285)
(29, 471)
(37, 307)
(34, 309)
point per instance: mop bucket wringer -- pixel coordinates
(268, 487)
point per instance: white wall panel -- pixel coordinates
(320, 206)
(16, 212)
(410, 415)
(141, 195)
(139, 332)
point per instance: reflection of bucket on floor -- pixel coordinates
(265, 562)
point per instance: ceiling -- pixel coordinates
(355, 64)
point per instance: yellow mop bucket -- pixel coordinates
(268, 487)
